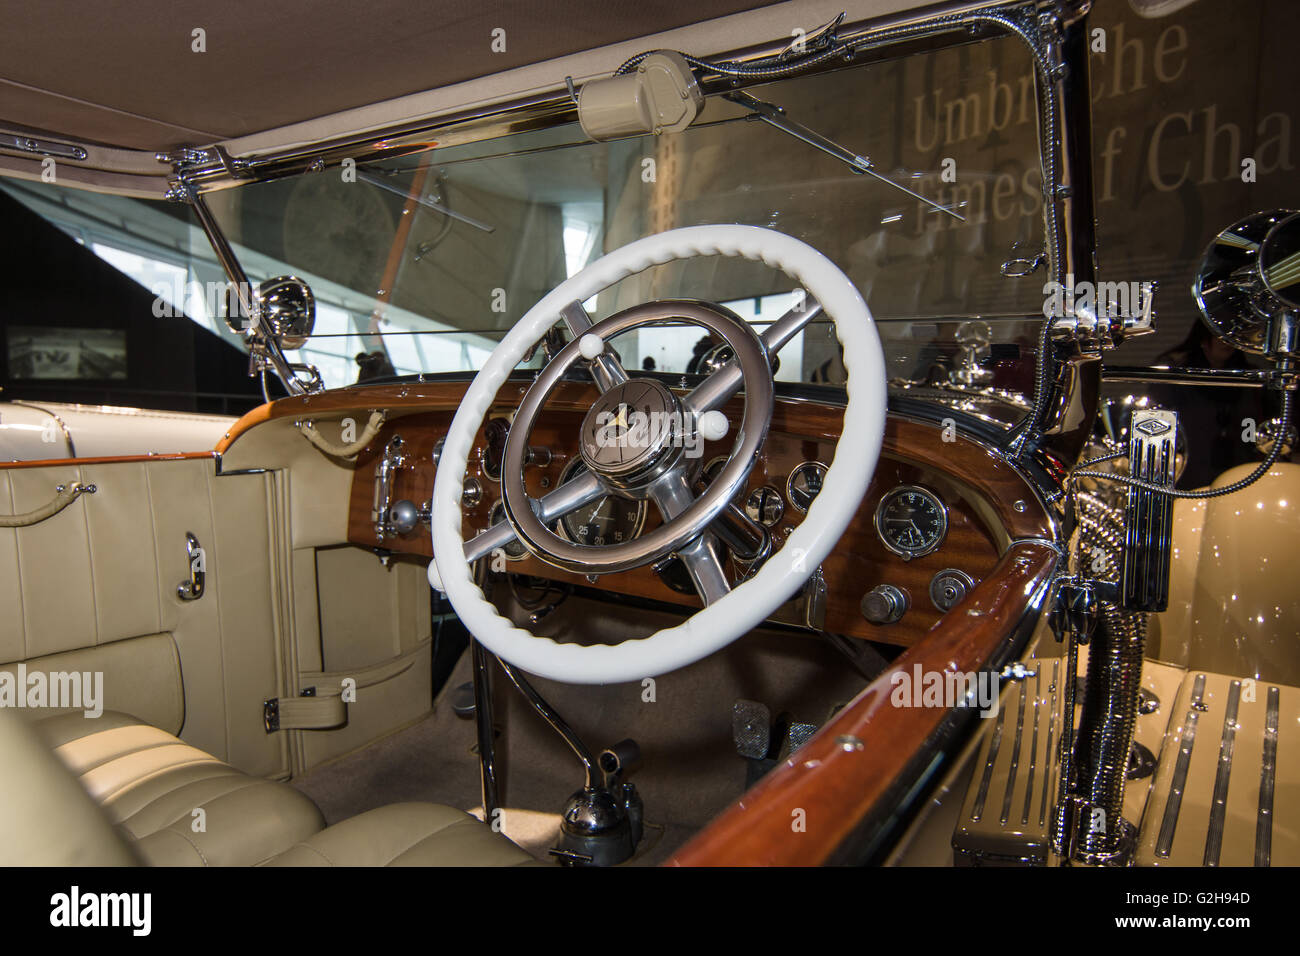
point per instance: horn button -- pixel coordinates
(633, 434)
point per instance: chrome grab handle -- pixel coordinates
(192, 589)
(393, 459)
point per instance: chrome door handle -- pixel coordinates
(192, 589)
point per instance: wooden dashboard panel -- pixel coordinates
(989, 503)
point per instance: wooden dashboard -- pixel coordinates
(988, 502)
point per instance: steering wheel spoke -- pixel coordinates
(573, 494)
(605, 368)
(701, 556)
(727, 381)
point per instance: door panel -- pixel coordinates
(107, 568)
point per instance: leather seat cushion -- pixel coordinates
(150, 784)
(407, 834)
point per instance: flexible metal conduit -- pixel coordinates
(1110, 697)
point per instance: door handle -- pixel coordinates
(192, 589)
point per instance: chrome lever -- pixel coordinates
(192, 589)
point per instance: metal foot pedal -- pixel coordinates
(1004, 819)
(751, 729)
(762, 741)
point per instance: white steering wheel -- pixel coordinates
(730, 614)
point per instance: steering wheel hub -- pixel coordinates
(633, 433)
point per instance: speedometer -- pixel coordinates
(608, 520)
(911, 521)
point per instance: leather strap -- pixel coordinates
(349, 450)
(312, 713)
(64, 496)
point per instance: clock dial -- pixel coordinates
(911, 521)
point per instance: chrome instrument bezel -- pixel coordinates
(909, 554)
(759, 518)
(568, 473)
(789, 481)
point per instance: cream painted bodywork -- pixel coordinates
(42, 431)
(1234, 605)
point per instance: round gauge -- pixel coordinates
(608, 520)
(805, 484)
(515, 550)
(765, 506)
(712, 470)
(911, 521)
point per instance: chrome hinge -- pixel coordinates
(1099, 316)
(41, 147)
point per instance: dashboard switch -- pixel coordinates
(949, 588)
(884, 604)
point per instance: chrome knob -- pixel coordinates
(471, 493)
(884, 604)
(403, 517)
(949, 588)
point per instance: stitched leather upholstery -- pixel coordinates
(150, 784)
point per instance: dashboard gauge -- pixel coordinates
(805, 484)
(515, 550)
(709, 474)
(608, 520)
(911, 521)
(712, 470)
(495, 433)
(765, 506)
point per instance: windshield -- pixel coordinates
(420, 264)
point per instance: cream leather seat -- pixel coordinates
(140, 787)
(149, 784)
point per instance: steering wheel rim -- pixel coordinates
(753, 601)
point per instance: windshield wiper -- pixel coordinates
(775, 116)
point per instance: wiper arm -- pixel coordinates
(379, 181)
(775, 116)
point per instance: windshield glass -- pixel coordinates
(420, 264)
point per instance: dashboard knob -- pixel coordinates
(949, 588)
(403, 517)
(884, 604)
(471, 493)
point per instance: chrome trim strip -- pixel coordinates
(1173, 375)
(1033, 747)
(1015, 758)
(1051, 732)
(1165, 841)
(1219, 808)
(946, 25)
(995, 745)
(1267, 781)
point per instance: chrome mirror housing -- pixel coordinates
(1248, 286)
(288, 310)
(286, 307)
